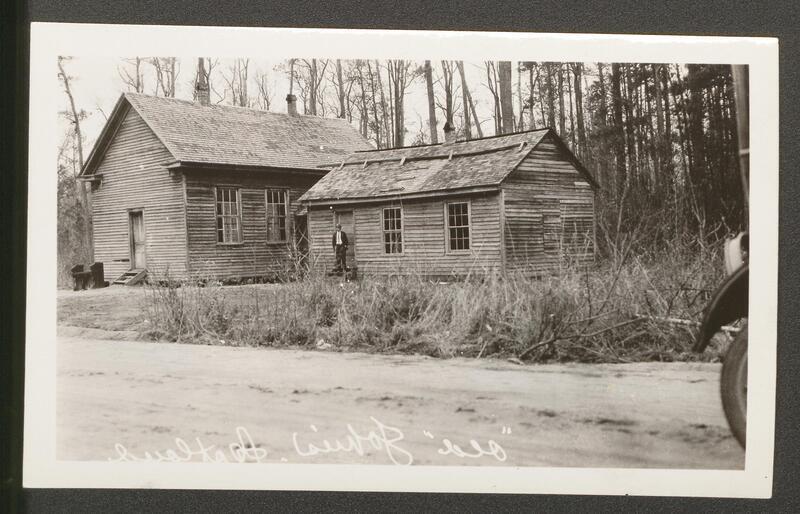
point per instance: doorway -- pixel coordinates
(138, 240)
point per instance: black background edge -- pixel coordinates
(766, 18)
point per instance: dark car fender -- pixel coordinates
(729, 303)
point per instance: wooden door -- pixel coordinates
(348, 227)
(138, 240)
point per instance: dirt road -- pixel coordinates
(121, 399)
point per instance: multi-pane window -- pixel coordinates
(392, 230)
(276, 215)
(229, 226)
(458, 226)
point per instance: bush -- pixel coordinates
(618, 311)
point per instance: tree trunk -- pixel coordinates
(432, 125)
(531, 82)
(551, 99)
(571, 113)
(562, 130)
(465, 100)
(342, 107)
(698, 167)
(377, 119)
(399, 85)
(660, 139)
(630, 140)
(364, 107)
(86, 225)
(491, 82)
(577, 71)
(506, 96)
(468, 96)
(384, 107)
(541, 100)
(520, 124)
(602, 117)
(447, 78)
(618, 130)
(311, 108)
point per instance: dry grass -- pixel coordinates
(597, 315)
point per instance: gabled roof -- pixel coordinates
(463, 165)
(234, 136)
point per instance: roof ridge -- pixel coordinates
(230, 107)
(231, 137)
(458, 142)
(431, 156)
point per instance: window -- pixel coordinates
(458, 226)
(276, 215)
(228, 215)
(392, 230)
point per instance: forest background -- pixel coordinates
(660, 138)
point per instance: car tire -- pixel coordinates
(733, 385)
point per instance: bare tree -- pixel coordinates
(310, 74)
(208, 68)
(465, 100)
(448, 88)
(166, 72)
(551, 108)
(619, 135)
(358, 76)
(389, 135)
(379, 118)
(236, 79)
(506, 96)
(468, 96)
(520, 125)
(401, 75)
(75, 116)
(131, 74)
(340, 89)
(265, 92)
(431, 103)
(494, 88)
(533, 79)
(577, 72)
(562, 130)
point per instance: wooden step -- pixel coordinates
(131, 277)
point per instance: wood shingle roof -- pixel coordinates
(476, 163)
(236, 136)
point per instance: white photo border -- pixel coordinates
(49, 40)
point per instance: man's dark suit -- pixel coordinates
(340, 250)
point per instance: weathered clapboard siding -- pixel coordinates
(548, 212)
(133, 178)
(254, 256)
(424, 241)
(320, 227)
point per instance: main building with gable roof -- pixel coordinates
(199, 190)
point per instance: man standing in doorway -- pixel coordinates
(339, 241)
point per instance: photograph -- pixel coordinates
(348, 257)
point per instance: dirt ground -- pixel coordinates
(93, 308)
(130, 400)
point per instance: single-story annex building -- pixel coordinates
(195, 189)
(512, 203)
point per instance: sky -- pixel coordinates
(97, 84)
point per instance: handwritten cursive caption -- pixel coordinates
(377, 438)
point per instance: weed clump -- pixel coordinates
(618, 311)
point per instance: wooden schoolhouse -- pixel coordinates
(512, 203)
(195, 189)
